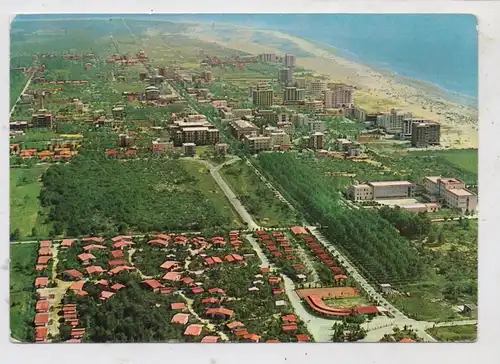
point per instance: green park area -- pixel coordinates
(260, 201)
(459, 333)
(22, 291)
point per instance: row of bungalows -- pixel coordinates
(108, 289)
(234, 239)
(42, 80)
(42, 309)
(238, 329)
(280, 248)
(44, 255)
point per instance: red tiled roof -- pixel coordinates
(41, 281)
(278, 291)
(106, 294)
(169, 264)
(240, 332)
(94, 247)
(77, 333)
(172, 276)
(209, 300)
(73, 273)
(178, 306)
(340, 277)
(42, 306)
(41, 333)
(158, 242)
(217, 260)
(406, 340)
(187, 280)
(45, 244)
(210, 339)
(120, 269)
(152, 283)
(235, 325)
(166, 290)
(40, 267)
(229, 258)
(289, 327)
(193, 330)
(180, 318)
(115, 262)
(219, 311)
(44, 251)
(122, 244)
(93, 239)
(252, 337)
(41, 319)
(82, 293)
(298, 230)
(94, 269)
(302, 338)
(265, 270)
(162, 236)
(67, 243)
(121, 237)
(289, 318)
(117, 254)
(77, 286)
(85, 257)
(74, 341)
(197, 290)
(43, 260)
(117, 286)
(367, 310)
(273, 341)
(102, 282)
(69, 308)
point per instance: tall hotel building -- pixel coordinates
(289, 60)
(262, 97)
(293, 95)
(338, 96)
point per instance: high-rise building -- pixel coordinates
(300, 82)
(293, 95)
(392, 122)
(338, 96)
(425, 134)
(289, 60)
(262, 97)
(317, 141)
(316, 87)
(285, 76)
(408, 126)
(256, 144)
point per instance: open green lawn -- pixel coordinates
(461, 333)
(24, 203)
(464, 158)
(22, 277)
(257, 198)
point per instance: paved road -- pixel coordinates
(238, 206)
(22, 92)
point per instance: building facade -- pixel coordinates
(268, 57)
(239, 128)
(293, 95)
(256, 144)
(452, 192)
(338, 96)
(381, 190)
(392, 122)
(425, 134)
(262, 97)
(317, 141)
(285, 75)
(289, 60)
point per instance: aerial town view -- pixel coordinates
(243, 178)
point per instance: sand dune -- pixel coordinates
(377, 90)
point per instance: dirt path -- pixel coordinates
(206, 322)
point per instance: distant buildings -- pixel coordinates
(256, 144)
(381, 190)
(317, 141)
(222, 148)
(194, 129)
(338, 96)
(452, 192)
(268, 57)
(316, 87)
(359, 114)
(289, 60)
(152, 93)
(160, 146)
(293, 95)
(262, 97)
(285, 75)
(425, 134)
(42, 120)
(408, 126)
(189, 149)
(240, 128)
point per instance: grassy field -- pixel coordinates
(466, 159)
(463, 333)
(207, 185)
(24, 203)
(347, 302)
(22, 277)
(257, 198)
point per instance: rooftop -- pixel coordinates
(389, 183)
(460, 192)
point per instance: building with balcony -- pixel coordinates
(256, 144)
(338, 96)
(451, 192)
(317, 141)
(42, 120)
(262, 97)
(293, 95)
(425, 134)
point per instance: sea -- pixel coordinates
(441, 49)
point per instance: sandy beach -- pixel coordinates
(376, 90)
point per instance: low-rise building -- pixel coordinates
(256, 144)
(118, 112)
(452, 192)
(152, 93)
(42, 120)
(317, 141)
(189, 149)
(381, 190)
(239, 128)
(222, 148)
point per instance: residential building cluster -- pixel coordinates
(450, 192)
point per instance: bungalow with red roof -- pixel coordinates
(116, 254)
(77, 286)
(240, 332)
(303, 338)
(117, 262)
(289, 318)
(166, 290)
(102, 283)
(41, 319)
(406, 340)
(72, 274)
(123, 244)
(187, 280)
(213, 260)
(120, 269)
(117, 286)
(172, 276)
(45, 244)
(40, 267)
(216, 290)
(197, 290)
(93, 240)
(265, 270)
(235, 325)
(180, 318)
(77, 333)
(163, 237)
(41, 334)
(82, 293)
(43, 260)
(277, 291)
(289, 327)
(170, 265)
(85, 258)
(95, 270)
(120, 238)
(67, 243)
(91, 247)
(106, 295)
(367, 310)
(276, 254)
(252, 337)
(178, 306)
(233, 258)
(219, 312)
(210, 301)
(193, 330)
(44, 251)
(340, 277)
(42, 306)
(210, 339)
(298, 230)
(274, 280)
(41, 282)
(273, 341)
(152, 284)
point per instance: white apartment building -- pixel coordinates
(452, 192)
(381, 190)
(393, 122)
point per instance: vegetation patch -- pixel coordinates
(461, 333)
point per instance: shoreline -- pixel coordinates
(376, 90)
